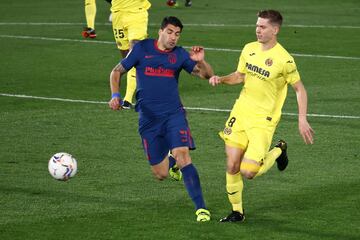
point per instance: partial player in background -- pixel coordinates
(173, 3)
(266, 69)
(162, 119)
(90, 14)
(129, 22)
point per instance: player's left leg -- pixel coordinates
(192, 182)
(179, 137)
(90, 14)
(136, 30)
(121, 35)
(278, 154)
(257, 159)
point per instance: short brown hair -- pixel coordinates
(273, 16)
(173, 21)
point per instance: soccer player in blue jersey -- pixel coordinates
(162, 121)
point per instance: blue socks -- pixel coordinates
(192, 185)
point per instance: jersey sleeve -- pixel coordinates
(133, 57)
(188, 64)
(242, 62)
(290, 72)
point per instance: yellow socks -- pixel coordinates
(130, 85)
(269, 160)
(234, 188)
(90, 13)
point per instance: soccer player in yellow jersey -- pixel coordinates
(129, 22)
(90, 14)
(266, 69)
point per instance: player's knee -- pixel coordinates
(182, 157)
(248, 174)
(160, 175)
(233, 167)
(249, 169)
(160, 172)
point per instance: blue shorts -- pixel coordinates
(163, 134)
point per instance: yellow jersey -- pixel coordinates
(130, 5)
(267, 74)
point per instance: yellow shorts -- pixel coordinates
(128, 26)
(250, 133)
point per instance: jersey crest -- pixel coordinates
(269, 62)
(172, 58)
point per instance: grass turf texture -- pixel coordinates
(114, 194)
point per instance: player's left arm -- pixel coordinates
(202, 68)
(305, 129)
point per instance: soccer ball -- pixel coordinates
(62, 166)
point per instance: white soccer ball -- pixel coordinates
(62, 166)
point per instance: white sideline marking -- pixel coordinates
(185, 24)
(207, 48)
(188, 108)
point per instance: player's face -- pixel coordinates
(169, 36)
(265, 31)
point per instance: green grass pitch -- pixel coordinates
(114, 195)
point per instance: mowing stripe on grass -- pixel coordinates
(207, 48)
(185, 24)
(187, 108)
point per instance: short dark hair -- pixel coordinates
(171, 20)
(273, 16)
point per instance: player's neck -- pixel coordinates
(161, 47)
(268, 45)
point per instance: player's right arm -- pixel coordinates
(231, 79)
(120, 69)
(115, 80)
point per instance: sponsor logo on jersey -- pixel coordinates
(269, 62)
(149, 56)
(258, 70)
(159, 72)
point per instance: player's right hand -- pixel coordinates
(114, 103)
(214, 80)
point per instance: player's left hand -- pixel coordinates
(197, 53)
(306, 131)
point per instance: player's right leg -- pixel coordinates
(236, 142)
(155, 148)
(174, 170)
(234, 183)
(90, 14)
